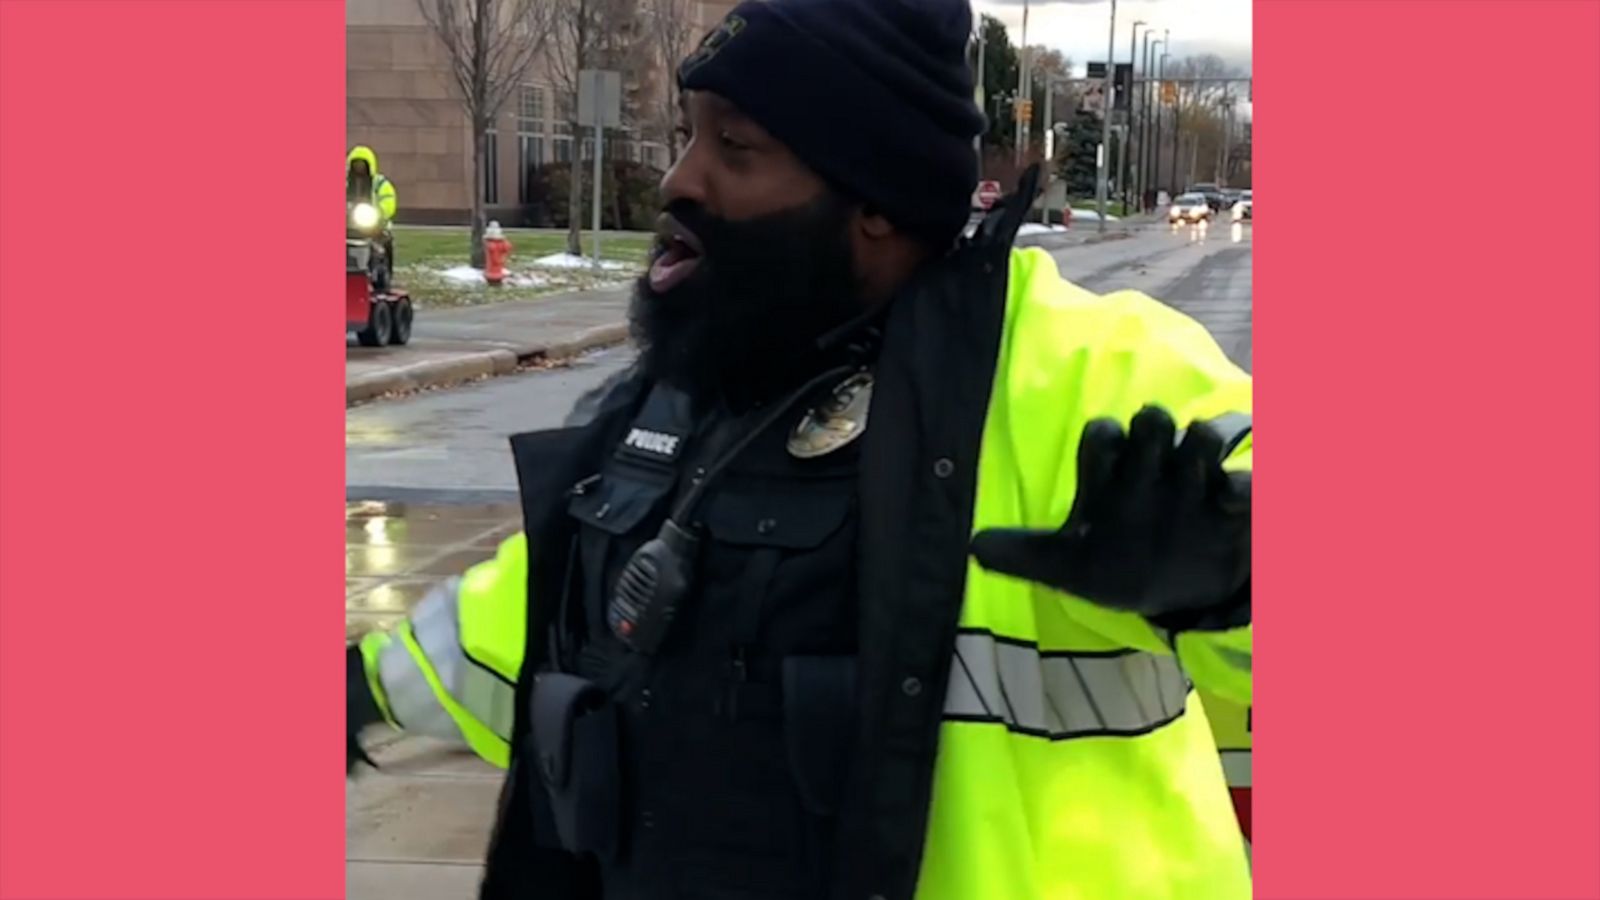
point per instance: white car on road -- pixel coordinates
(1189, 208)
(1241, 209)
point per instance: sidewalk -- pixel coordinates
(453, 345)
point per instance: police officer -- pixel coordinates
(889, 568)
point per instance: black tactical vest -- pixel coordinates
(734, 735)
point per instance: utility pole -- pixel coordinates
(1133, 61)
(1105, 121)
(1024, 90)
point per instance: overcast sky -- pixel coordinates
(1078, 28)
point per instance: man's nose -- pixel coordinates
(685, 181)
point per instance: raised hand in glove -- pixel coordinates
(1157, 527)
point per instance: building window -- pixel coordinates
(563, 147)
(491, 168)
(530, 138)
(530, 104)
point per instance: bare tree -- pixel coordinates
(592, 34)
(1202, 116)
(674, 24)
(491, 44)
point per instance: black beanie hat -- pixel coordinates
(876, 96)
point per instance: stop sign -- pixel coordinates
(988, 193)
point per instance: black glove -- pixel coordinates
(360, 709)
(1155, 529)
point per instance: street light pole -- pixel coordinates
(1049, 144)
(1227, 135)
(1154, 117)
(1144, 118)
(1133, 62)
(1177, 133)
(1105, 119)
(1024, 90)
(977, 142)
(1155, 146)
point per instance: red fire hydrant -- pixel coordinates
(496, 250)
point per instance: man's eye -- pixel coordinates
(729, 141)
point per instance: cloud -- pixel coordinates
(1236, 54)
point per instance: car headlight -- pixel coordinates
(364, 216)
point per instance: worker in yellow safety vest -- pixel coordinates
(366, 188)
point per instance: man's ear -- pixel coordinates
(872, 224)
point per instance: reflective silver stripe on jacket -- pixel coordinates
(490, 699)
(1061, 695)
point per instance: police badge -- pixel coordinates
(839, 420)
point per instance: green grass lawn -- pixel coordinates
(432, 261)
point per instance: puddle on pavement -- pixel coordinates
(395, 552)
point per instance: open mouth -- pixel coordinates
(678, 254)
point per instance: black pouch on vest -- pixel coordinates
(819, 711)
(575, 743)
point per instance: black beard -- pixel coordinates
(746, 323)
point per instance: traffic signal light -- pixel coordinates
(1169, 92)
(1024, 110)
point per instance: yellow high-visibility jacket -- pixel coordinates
(383, 193)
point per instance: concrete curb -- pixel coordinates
(475, 364)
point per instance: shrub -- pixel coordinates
(630, 198)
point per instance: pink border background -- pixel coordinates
(171, 472)
(1430, 455)
(171, 476)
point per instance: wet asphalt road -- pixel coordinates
(450, 446)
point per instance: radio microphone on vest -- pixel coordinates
(661, 573)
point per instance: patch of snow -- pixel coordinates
(568, 261)
(469, 275)
(464, 275)
(1036, 228)
(527, 279)
(1089, 215)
